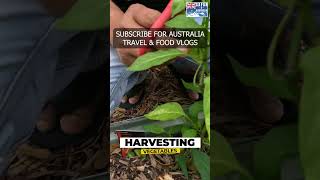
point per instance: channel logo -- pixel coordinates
(196, 9)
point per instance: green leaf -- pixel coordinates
(182, 162)
(189, 133)
(174, 129)
(198, 55)
(224, 161)
(191, 86)
(177, 7)
(156, 129)
(85, 15)
(195, 109)
(165, 112)
(183, 22)
(273, 71)
(259, 77)
(284, 3)
(278, 144)
(156, 58)
(138, 152)
(202, 162)
(309, 117)
(131, 154)
(206, 104)
(185, 130)
(295, 44)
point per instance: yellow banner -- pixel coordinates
(161, 151)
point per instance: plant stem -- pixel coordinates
(189, 119)
(201, 77)
(275, 39)
(196, 74)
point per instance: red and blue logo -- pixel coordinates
(197, 9)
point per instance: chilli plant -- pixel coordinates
(197, 116)
(298, 82)
(90, 15)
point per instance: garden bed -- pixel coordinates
(161, 86)
(232, 117)
(88, 158)
(159, 167)
(60, 156)
(74, 161)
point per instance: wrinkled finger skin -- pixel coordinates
(127, 55)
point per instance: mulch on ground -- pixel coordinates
(88, 158)
(31, 162)
(157, 167)
(161, 86)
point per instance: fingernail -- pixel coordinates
(133, 100)
(193, 95)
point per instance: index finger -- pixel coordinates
(143, 15)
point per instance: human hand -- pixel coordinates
(137, 16)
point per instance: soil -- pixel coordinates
(232, 114)
(232, 117)
(88, 158)
(161, 86)
(158, 167)
(31, 162)
(87, 154)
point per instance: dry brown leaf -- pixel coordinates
(38, 153)
(116, 151)
(123, 162)
(140, 168)
(142, 176)
(165, 177)
(17, 170)
(175, 173)
(153, 161)
(168, 177)
(123, 176)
